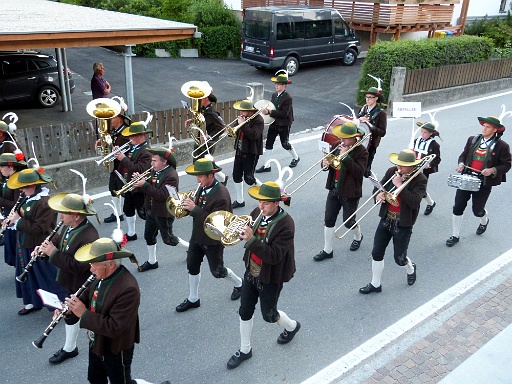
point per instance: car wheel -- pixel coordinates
(291, 64)
(47, 96)
(350, 57)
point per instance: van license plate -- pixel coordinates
(249, 49)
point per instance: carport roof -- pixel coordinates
(47, 24)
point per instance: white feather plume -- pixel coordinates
(148, 120)
(251, 96)
(281, 172)
(171, 138)
(504, 113)
(355, 120)
(379, 81)
(34, 159)
(117, 234)
(13, 119)
(123, 105)
(85, 197)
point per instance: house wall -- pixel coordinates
(480, 8)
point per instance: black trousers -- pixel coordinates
(479, 200)
(154, 224)
(243, 168)
(334, 204)
(116, 368)
(132, 201)
(252, 289)
(387, 230)
(284, 136)
(214, 254)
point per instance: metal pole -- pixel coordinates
(128, 76)
(60, 73)
(66, 78)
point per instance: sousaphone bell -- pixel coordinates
(195, 91)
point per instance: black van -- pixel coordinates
(285, 37)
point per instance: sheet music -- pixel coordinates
(324, 146)
(172, 192)
(49, 299)
(376, 183)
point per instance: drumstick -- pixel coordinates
(473, 169)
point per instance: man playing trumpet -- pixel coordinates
(345, 187)
(397, 221)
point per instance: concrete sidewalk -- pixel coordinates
(468, 342)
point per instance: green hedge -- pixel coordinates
(418, 54)
(216, 42)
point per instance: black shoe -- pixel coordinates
(24, 311)
(225, 181)
(481, 228)
(356, 244)
(322, 256)
(237, 292)
(236, 204)
(411, 279)
(263, 169)
(112, 218)
(367, 172)
(237, 359)
(370, 288)
(294, 163)
(286, 336)
(452, 241)
(147, 266)
(429, 209)
(62, 355)
(131, 238)
(186, 305)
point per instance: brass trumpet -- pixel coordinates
(334, 161)
(390, 196)
(129, 185)
(226, 226)
(112, 155)
(175, 206)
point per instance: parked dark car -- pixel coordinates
(30, 76)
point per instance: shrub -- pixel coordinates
(418, 54)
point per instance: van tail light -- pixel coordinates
(271, 52)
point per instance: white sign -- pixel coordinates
(406, 109)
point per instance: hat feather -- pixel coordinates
(34, 159)
(148, 120)
(504, 113)
(14, 118)
(355, 120)
(123, 105)
(85, 197)
(171, 138)
(379, 81)
(281, 171)
(251, 96)
(117, 234)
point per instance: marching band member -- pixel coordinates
(485, 156)
(426, 145)
(78, 231)
(345, 187)
(248, 147)
(376, 118)
(269, 261)
(10, 163)
(283, 115)
(211, 197)
(397, 221)
(136, 160)
(158, 218)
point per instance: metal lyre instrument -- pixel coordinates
(175, 206)
(23, 276)
(226, 226)
(265, 104)
(104, 109)
(129, 186)
(14, 209)
(390, 196)
(334, 161)
(112, 155)
(195, 91)
(39, 342)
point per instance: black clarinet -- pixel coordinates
(14, 209)
(39, 342)
(23, 276)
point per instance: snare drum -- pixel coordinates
(465, 182)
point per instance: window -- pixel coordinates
(341, 27)
(503, 5)
(257, 29)
(290, 30)
(318, 28)
(42, 64)
(14, 66)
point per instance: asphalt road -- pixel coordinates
(193, 347)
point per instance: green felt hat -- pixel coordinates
(12, 160)
(165, 153)
(137, 128)
(346, 130)
(244, 105)
(494, 121)
(103, 249)
(71, 203)
(281, 77)
(202, 167)
(268, 191)
(27, 177)
(406, 158)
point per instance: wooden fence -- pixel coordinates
(74, 141)
(428, 79)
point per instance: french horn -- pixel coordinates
(225, 226)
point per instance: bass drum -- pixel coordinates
(327, 135)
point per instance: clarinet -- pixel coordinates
(23, 276)
(14, 209)
(39, 342)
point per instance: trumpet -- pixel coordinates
(112, 155)
(333, 160)
(175, 206)
(390, 196)
(226, 226)
(39, 342)
(23, 276)
(129, 185)
(14, 209)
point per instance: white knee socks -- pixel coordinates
(183, 243)
(357, 232)
(293, 152)
(267, 155)
(408, 267)
(484, 218)
(130, 220)
(328, 239)
(286, 322)
(245, 335)
(457, 223)
(71, 336)
(237, 281)
(239, 188)
(119, 205)
(152, 254)
(428, 199)
(193, 282)
(221, 176)
(377, 268)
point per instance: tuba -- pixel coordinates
(104, 109)
(175, 206)
(195, 91)
(226, 226)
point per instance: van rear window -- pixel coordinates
(290, 30)
(257, 29)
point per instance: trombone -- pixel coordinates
(390, 196)
(335, 161)
(129, 185)
(112, 155)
